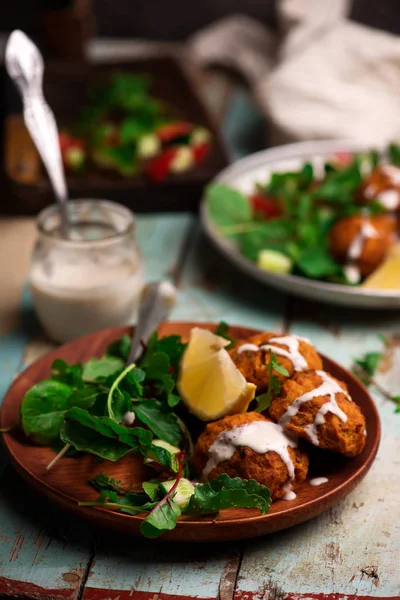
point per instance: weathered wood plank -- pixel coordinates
(352, 549)
(142, 569)
(44, 554)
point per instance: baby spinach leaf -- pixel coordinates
(225, 492)
(100, 368)
(119, 401)
(227, 206)
(120, 348)
(84, 398)
(43, 409)
(102, 436)
(159, 419)
(69, 374)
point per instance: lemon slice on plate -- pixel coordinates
(387, 275)
(210, 384)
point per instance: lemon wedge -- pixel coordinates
(210, 384)
(387, 275)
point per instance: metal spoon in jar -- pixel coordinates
(25, 66)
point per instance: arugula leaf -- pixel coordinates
(171, 345)
(102, 436)
(227, 206)
(278, 367)
(102, 482)
(43, 409)
(159, 419)
(120, 348)
(98, 368)
(119, 401)
(339, 186)
(225, 492)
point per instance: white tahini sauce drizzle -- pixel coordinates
(260, 436)
(129, 418)
(329, 387)
(389, 198)
(318, 481)
(293, 353)
(352, 273)
(366, 231)
(289, 493)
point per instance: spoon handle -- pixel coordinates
(40, 121)
(155, 306)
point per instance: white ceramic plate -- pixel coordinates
(258, 167)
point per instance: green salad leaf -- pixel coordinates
(102, 436)
(225, 492)
(227, 206)
(65, 373)
(274, 385)
(222, 330)
(43, 409)
(120, 348)
(101, 368)
(162, 421)
(119, 401)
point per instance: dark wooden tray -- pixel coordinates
(66, 88)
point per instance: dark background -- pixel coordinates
(173, 19)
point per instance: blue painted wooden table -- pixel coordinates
(351, 551)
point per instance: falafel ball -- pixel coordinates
(329, 419)
(362, 241)
(252, 363)
(382, 186)
(268, 468)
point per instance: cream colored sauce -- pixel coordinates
(82, 295)
(318, 481)
(260, 436)
(289, 493)
(129, 418)
(329, 387)
(392, 172)
(367, 231)
(389, 199)
(352, 274)
(292, 353)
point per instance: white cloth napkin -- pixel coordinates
(321, 76)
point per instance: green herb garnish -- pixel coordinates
(274, 385)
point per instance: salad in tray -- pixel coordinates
(124, 129)
(339, 225)
(214, 423)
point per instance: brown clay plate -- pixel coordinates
(66, 484)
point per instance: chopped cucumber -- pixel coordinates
(200, 135)
(166, 446)
(271, 260)
(183, 160)
(183, 492)
(148, 146)
(171, 449)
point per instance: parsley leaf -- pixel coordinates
(223, 331)
(274, 386)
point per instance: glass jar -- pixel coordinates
(92, 280)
